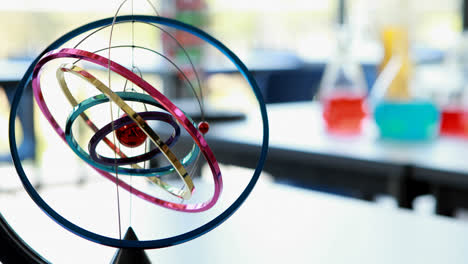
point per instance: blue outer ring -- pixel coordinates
(99, 99)
(148, 244)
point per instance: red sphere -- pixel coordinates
(203, 127)
(131, 135)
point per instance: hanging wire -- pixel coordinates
(133, 89)
(112, 117)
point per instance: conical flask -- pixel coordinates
(399, 113)
(451, 94)
(343, 90)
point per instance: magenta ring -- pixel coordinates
(126, 120)
(160, 98)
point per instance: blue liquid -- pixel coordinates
(414, 120)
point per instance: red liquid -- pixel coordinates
(454, 122)
(344, 114)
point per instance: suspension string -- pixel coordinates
(132, 88)
(112, 117)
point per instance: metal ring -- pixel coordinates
(156, 243)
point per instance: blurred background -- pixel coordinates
(368, 110)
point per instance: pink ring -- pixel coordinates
(159, 97)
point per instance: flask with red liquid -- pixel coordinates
(454, 113)
(343, 90)
(452, 96)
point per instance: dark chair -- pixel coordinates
(292, 85)
(301, 84)
(27, 148)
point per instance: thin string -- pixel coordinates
(137, 71)
(112, 116)
(153, 7)
(133, 89)
(145, 163)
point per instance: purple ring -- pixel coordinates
(126, 120)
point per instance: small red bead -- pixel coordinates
(203, 127)
(131, 135)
